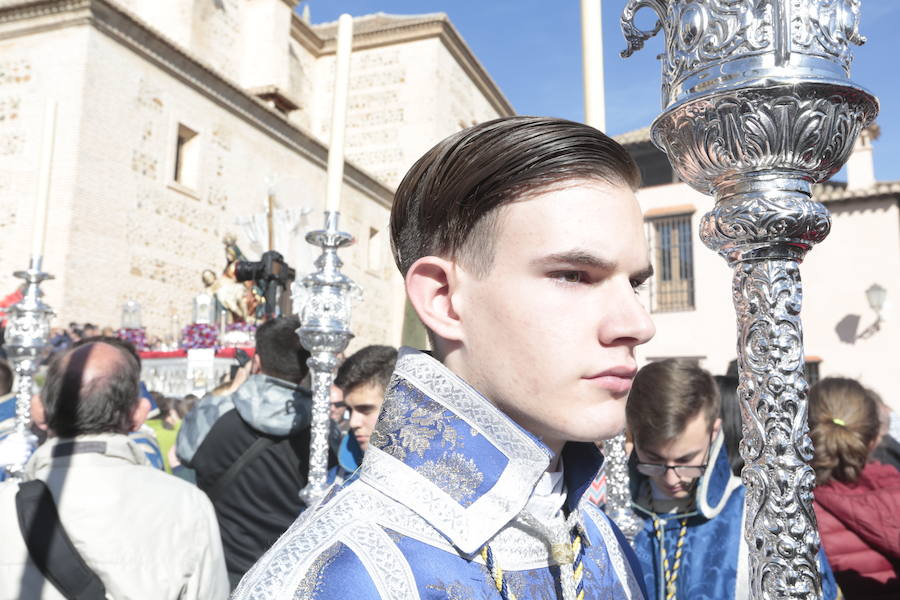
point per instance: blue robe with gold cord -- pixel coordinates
(446, 472)
(714, 564)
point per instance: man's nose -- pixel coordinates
(626, 320)
(672, 478)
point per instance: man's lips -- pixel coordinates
(617, 379)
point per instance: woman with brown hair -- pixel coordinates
(856, 500)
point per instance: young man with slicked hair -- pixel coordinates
(521, 244)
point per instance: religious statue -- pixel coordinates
(255, 298)
(234, 297)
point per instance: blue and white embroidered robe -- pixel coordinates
(446, 473)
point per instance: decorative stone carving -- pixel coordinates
(16, 71)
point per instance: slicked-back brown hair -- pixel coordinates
(446, 203)
(665, 396)
(843, 424)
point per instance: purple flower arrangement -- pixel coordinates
(199, 335)
(241, 326)
(134, 335)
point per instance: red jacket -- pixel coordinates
(860, 528)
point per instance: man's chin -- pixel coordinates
(676, 493)
(600, 433)
(605, 426)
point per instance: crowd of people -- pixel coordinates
(457, 473)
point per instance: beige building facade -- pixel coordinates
(690, 294)
(176, 119)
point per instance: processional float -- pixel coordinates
(323, 299)
(757, 107)
(28, 328)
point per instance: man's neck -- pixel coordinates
(455, 364)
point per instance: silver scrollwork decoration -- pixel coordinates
(324, 304)
(758, 106)
(27, 334)
(618, 492)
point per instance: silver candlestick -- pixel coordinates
(325, 306)
(26, 335)
(618, 484)
(757, 106)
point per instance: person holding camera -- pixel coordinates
(250, 447)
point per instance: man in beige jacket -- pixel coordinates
(145, 534)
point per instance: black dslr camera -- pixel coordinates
(271, 273)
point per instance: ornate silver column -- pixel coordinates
(27, 333)
(324, 306)
(618, 483)
(758, 106)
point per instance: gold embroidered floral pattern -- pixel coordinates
(533, 584)
(455, 474)
(459, 591)
(422, 433)
(410, 422)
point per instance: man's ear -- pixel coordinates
(430, 284)
(257, 364)
(717, 427)
(140, 412)
(38, 416)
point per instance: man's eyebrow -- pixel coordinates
(688, 456)
(578, 257)
(643, 275)
(585, 258)
(684, 458)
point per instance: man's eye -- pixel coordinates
(570, 276)
(638, 286)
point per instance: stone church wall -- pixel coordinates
(121, 228)
(130, 74)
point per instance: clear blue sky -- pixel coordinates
(532, 50)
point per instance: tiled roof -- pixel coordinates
(377, 22)
(838, 192)
(638, 136)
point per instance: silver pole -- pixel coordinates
(757, 106)
(618, 487)
(324, 303)
(26, 337)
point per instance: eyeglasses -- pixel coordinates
(682, 471)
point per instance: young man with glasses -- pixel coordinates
(692, 544)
